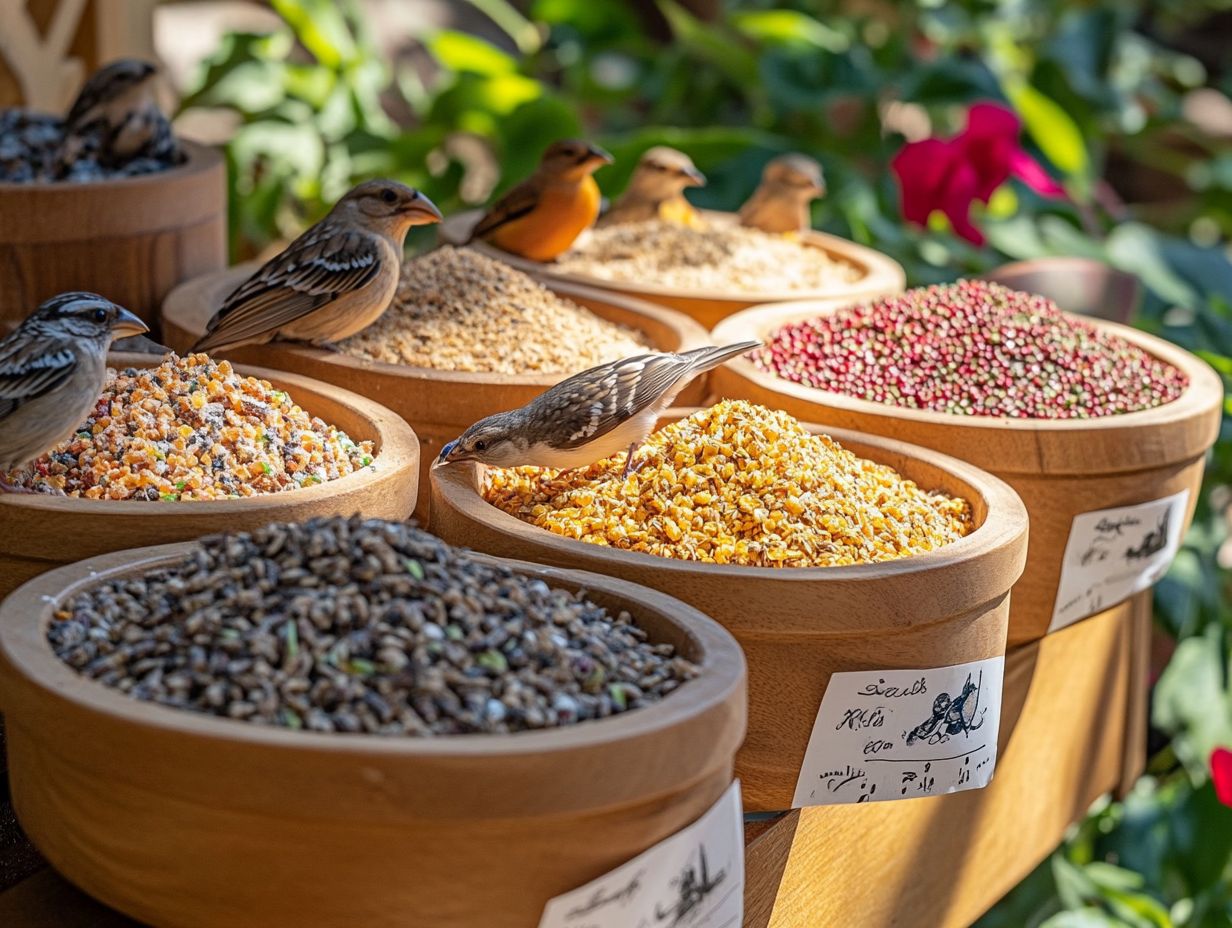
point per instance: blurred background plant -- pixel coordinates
(1126, 102)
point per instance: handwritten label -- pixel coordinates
(1113, 553)
(902, 734)
(695, 878)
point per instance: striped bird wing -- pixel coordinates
(29, 368)
(317, 268)
(515, 204)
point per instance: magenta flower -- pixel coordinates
(949, 174)
(1221, 774)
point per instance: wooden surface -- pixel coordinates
(799, 625)
(879, 274)
(183, 819)
(942, 861)
(1059, 467)
(440, 405)
(131, 240)
(43, 531)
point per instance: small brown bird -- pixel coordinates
(781, 201)
(656, 190)
(333, 281)
(543, 215)
(591, 416)
(52, 369)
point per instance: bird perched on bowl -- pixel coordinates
(591, 416)
(116, 119)
(781, 201)
(544, 214)
(656, 190)
(52, 369)
(333, 281)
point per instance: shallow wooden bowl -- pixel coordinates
(799, 625)
(131, 240)
(1060, 468)
(42, 531)
(440, 405)
(1078, 285)
(184, 820)
(880, 274)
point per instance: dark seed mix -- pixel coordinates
(30, 152)
(972, 348)
(351, 625)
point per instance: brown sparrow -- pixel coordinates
(656, 190)
(781, 201)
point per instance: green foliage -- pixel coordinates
(1101, 102)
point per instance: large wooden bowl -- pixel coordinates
(1059, 467)
(799, 625)
(131, 240)
(440, 405)
(184, 820)
(43, 531)
(879, 274)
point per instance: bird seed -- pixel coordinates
(30, 143)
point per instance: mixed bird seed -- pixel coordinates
(738, 484)
(719, 255)
(30, 153)
(459, 310)
(351, 625)
(191, 429)
(972, 348)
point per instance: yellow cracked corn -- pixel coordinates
(191, 429)
(738, 484)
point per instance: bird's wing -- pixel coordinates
(318, 267)
(30, 367)
(513, 205)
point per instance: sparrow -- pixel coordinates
(116, 119)
(591, 416)
(656, 190)
(333, 281)
(52, 369)
(543, 215)
(781, 201)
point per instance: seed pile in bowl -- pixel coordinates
(720, 255)
(30, 148)
(458, 310)
(193, 429)
(350, 625)
(972, 348)
(738, 484)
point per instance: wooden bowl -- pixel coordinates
(799, 625)
(184, 820)
(131, 240)
(43, 531)
(1078, 285)
(440, 405)
(1061, 468)
(880, 274)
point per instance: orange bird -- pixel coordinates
(544, 214)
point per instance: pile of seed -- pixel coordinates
(720, 255)
(738, 484)
(30, 148)
(350, 625)
(972, 348)
(458, 310)
(189, 429)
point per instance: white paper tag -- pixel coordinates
(695, 878)
(1113, 553)
(902, 734)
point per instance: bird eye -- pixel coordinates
(100, 315)
(481, 445)
(389, 196)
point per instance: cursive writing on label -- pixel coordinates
(881, 688)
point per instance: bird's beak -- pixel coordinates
(126, 324)
(421, 211)
(695, 177)
(819, 190)
(452, 454)
(596, 155)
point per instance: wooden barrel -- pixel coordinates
(1062, 469)
(439, 404)
(44, 531)
(132, 240)
(799, 626)
(879, 274)
(186, 820)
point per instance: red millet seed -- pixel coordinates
(972, 348)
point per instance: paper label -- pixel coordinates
(1113, 553)
(694, 879)
(902, 734)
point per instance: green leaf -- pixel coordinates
(320, 27)
(1051, 128)
(789, 27)
(459, 51)
(1192, 699)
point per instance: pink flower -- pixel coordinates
(949, 174)
(1221, 774)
